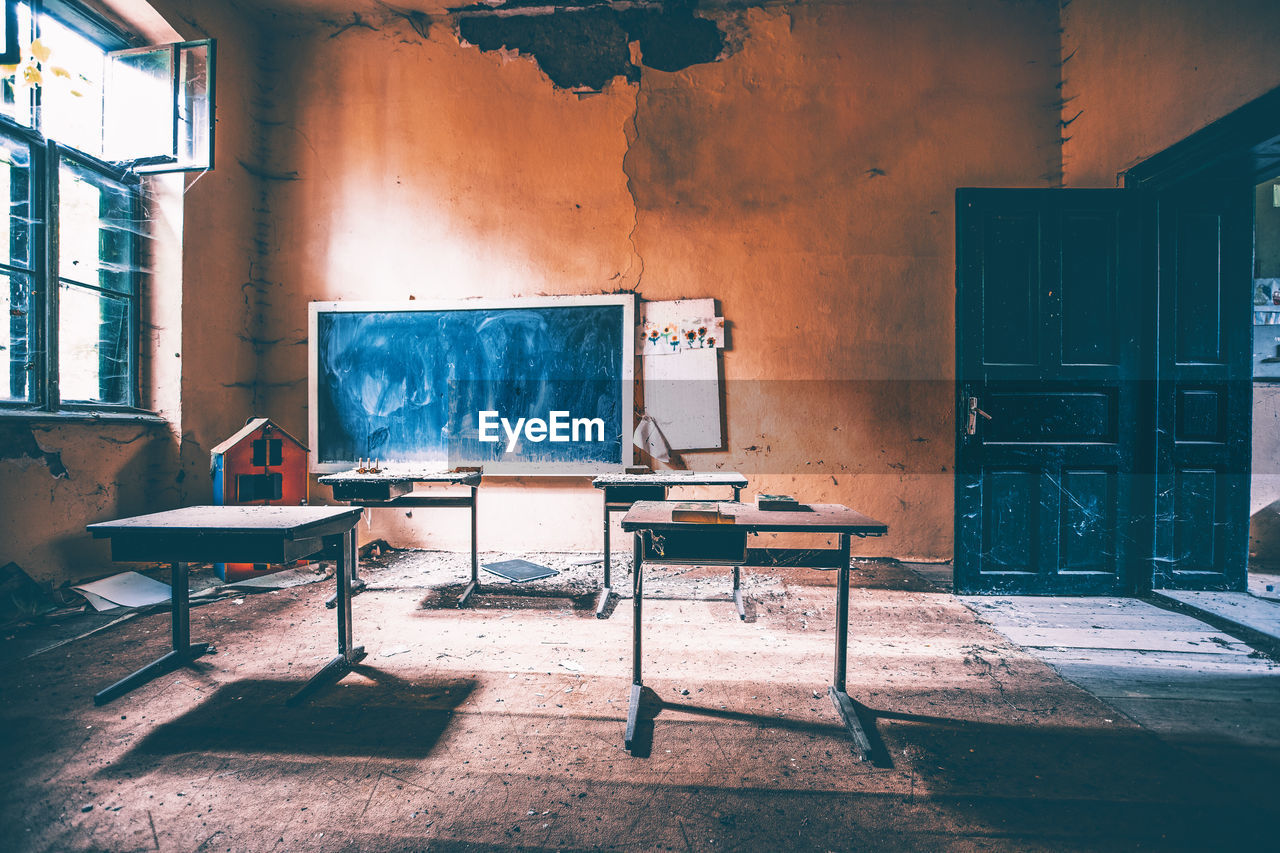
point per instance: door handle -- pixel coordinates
(971, 422)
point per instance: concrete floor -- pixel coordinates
(500, 728)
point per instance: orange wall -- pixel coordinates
(431, 169)
(1144, 74)
(376, 164)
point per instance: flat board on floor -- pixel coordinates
(519, 571)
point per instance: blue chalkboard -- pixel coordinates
(537, 386)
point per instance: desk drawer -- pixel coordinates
(717, 544)
(631, 494)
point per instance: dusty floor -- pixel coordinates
(500, 728)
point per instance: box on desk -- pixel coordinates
(702, 513)
(776, 502)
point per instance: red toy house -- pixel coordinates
(260, 465)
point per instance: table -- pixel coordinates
(659, 538)
(621, 491)
(242, 534)
(393, 487)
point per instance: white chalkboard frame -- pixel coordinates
(627, 301)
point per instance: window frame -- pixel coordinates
(44, 399)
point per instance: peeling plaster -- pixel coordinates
(18, 442)
(586, 48)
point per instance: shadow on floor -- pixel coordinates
(1048, 784)
(512, 597)
(389, 718)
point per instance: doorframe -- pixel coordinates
(1242, 147)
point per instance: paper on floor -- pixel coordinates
(127, 589)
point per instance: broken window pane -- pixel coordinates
(93, 345)
(96, 230)
(15, 339)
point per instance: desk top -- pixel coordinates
(402, 474)
(817, 518)
(672, 478)
(288, 522)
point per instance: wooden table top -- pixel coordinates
(672, 478)
(403, 474)
(289, 522)
(815, 518)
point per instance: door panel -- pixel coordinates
(1010, 302)
(1089, 521)
(1205, 388)
(1052, 325)
(1010, 521)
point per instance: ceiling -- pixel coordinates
(431, 7)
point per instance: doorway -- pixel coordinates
(1264, 493)
(1108, 449)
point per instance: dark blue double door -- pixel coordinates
(1103, 390)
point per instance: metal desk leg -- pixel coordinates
(475, 557)
(840, 698)
(348, 655)
(637, 597)
(184, 651)
(737, 592)
(353, 558)
(605, 591)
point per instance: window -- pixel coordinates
(69, 264)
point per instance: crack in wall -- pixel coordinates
(631, 132)
(257, 288)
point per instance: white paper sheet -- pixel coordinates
(127, 589)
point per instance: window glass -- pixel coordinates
(140, 123)
(88, 288)
(93, 345)
(96, 268)
(15, 340)
(15, 265)
(195, 148)
(16, 90)
(15, 187)
(70, 87)
(95, 229)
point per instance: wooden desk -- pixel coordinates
(242, 534)
(660, 539)
(621, 491)
(393, 487)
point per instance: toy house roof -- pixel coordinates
(251, 427)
